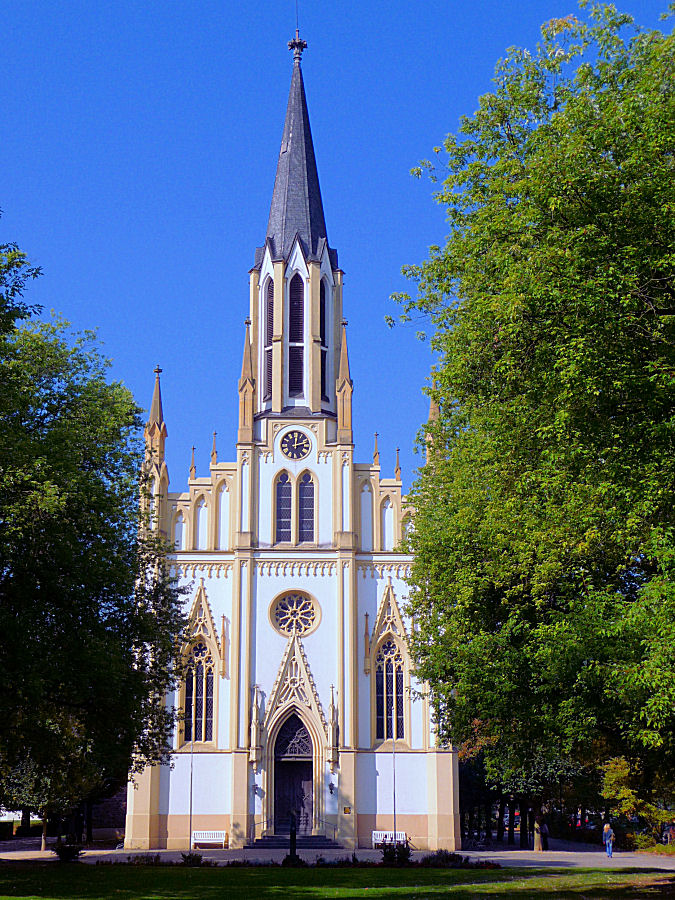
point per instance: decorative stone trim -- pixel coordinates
(202, 624)
(294, 684)
(189, 569)
(400, 569)
(317, 567)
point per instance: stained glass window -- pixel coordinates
(306, 508)
(293, 740)
(199, 683)
(294, 614)
(283, 512)
(389, 707)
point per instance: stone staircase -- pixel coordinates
(306, 842)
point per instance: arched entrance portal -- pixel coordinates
(293, 777)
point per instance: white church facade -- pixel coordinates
(299, 698)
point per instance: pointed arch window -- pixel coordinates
(387, 525)
(198, 694)
(324, 341)
(179, 532)
(269, 333)
(296, 335)
(283, 508)
(389, 706)
(224, 517)
(306, 508)
(201, 525)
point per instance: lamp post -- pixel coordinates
(393, 765)
(192, 748)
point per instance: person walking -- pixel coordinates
(608, 838)
(544, 835)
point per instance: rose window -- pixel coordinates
(295, 614)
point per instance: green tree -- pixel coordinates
(88, 612)
(543, 541)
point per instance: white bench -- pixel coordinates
(387, 837)
(209, 837)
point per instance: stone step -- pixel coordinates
(303, 842)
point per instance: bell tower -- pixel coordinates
(295, 283)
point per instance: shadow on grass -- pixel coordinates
(53, 881)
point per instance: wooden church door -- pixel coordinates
(293, 778)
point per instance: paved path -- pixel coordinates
(561, 855)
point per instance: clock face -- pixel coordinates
(295, 445)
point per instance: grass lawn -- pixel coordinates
(56, 881)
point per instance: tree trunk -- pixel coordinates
(25, 821)
(500, 820)
(90, 827)
(512, 820)
(43, 842)
(524, 842)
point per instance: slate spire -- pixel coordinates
(296, 201)
(156, 412)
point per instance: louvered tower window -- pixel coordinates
(324, 342)
(198, 723)
(389, 718)
(306, 508)
(283, 508)
(269, 331)
(296, 335)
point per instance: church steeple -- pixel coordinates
(296, 202)
(296, 285)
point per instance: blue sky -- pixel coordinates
(138, 150)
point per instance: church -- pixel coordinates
(299, 700)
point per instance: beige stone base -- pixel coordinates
(420, 830)
(172, 832)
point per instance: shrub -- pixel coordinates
(192, 859)
(388, 854)
(444, 859)
(145, 859)
(396, 854)
(644, 841)
(67, 852)
(403, 852)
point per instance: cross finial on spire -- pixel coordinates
(297, 45)
(157, 370)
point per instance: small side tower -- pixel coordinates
(155, 471)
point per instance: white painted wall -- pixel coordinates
(374, 782)
(211, 785)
